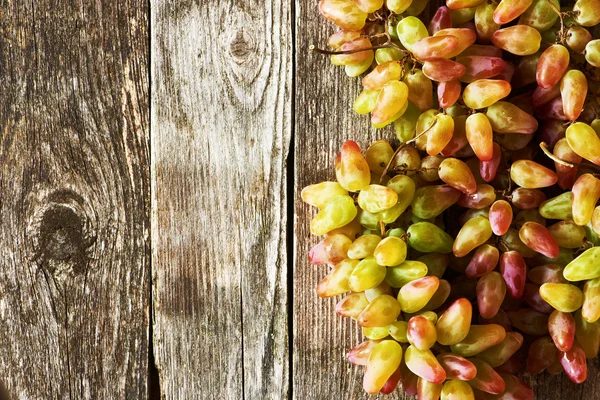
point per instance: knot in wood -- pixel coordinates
(242, 46)
(61, 234)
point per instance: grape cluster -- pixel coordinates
(471, 251)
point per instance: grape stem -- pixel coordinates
(544, 148)
(382, 228)
(403, 145)
(561, 34)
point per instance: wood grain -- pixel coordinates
(221, 129)
(74, 199)
(324, 120)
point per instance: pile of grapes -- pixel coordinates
(471, 252)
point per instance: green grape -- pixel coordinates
(416, 7)
(464, 14)
(378, 155)
(379, 290)
(398, 331)
(540, 15)
(405, 127)
(508, 118)
(586, 266)
(369, 220)
(386, 55)
(375, 333)
(357, 69)
(366, 275)
(587, 335)
(568, 234)
(405, 190)
(559, 207)
(503, 351)
(479, 338)
(431, 201)
(404, 273)
(428, 238)
(587, 12)
(419, 89)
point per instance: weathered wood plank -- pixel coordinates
(221, 126)
(74, 199)
(324, 120)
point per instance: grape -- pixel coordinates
(398, 330)
(351, 168)
(398, 6)
(457, 367)
(429, 168)
(561, 326)
(574, 363)
(540, 15)
(566, 174)
(416, 294)
(463, 18)
(521, 40)
(552, 273)
(573, 89)
(568, 234)
(512, 241)
(379, 290)
(366, 275)
(578, 38)
(427, 390)
(474, 232)
(392, 382)
(405, 189)
(478, 128)
(404, 273)
(489, 169)
(592, 52)
(428, 238)
(431, 201)
(491, 290)
(440, 20)
(483, 197)
(380, 312)
(336, 282)
(453, 325)
(353, 58)
(416, 8)
(419, 89)
(384, 360)
(531, 175)
(508, 118)
(410, 30)
(527, 199)
(433, 47)
(562, 296)
(424, 364)
(448, 93)
(359, 354)
(584, 141)
(591, 301)
(481, 50)
(365, 102)
(559, 207)
(421, 332)
(375, 333)
(484, 22)
(541, 355)
(510, 9)
(538, 238)
(516, 389)
(487, 380)
(337, 212)
(529, 321)
(484, 260)
(343, 13)
(543, 96)
(391, 251)
(553, 64)
(531, 296)
(457, 174)
(587, 12)
(319, 194)
(457, 390)
(392, 98)
(387, 54)
(586, 192)
(382, 74)
(461, 4)
(514, 272)
(369, 6)
(459, 138)
(503, 351)
(587, 335)
(331, 250)
(443, 70)
(352, 305)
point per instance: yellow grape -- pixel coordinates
(404, 273)
(592, 53)
(351, 168)
(380, 312)
(508, 118)
(586, 266)
(440, 134)
(337, 212)
(480, 136)
(363, 246)
(457, 174)
(375, 333)
(466, 37)
(405, 189)
(320, 193)
(573, 89)
(384, 360)
(485, 92)
(343, 13)
(405, 126)
(587, 12)
(484, 21)
(586, 192)
(353, 58)
(584, 141)
(391, 100)
(520, 40)
(376, 198)
(395, 117)
(336, 282)
(354, 70)
(390, 252)
(474, 232)
(385, 55)
(455, 389)
(461, 4)
(540, 15)
(563, 297)
(531, 175)
(365, 102)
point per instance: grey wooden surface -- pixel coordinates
(152, 240)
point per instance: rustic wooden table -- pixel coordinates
(152, 241)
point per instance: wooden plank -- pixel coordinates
(324, 120)
(74, 197)
(221, 127)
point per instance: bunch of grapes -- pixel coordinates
(471, 252)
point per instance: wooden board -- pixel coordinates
(74, 190)
(221, 128)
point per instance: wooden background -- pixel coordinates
(152, 241)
